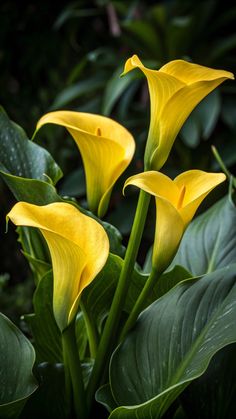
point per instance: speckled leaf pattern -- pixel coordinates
(28, 169)
(21, 157)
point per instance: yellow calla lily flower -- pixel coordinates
(174, 91)
(176, 203)
(106, 148)
(78, 245)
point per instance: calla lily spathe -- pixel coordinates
(78, 245)
(106, 148)
(176, 203)
(174, 91)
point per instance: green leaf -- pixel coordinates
(97, 297)
(16, 362)
(178, 35)
(104, 396)
(208, 113)
(49, 401)
(229, 113)
(212, 396)
(172, 344)
(74, 184)
(28, 169)
(191, 131)
(33, 243)
(21, 157)
(77, 90)
(115, 239)
(163, 284)
(116, 218)
(31, 190)
(221, 47)
(35, 250)
(86, 370)
(114, 89)
(180, 414)
(169, 279)
(202, 120)
(47, 337)
(209, 242)
(144, 35)
(38, 267)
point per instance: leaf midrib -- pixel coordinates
(195, 347)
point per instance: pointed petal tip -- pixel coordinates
(131, 63)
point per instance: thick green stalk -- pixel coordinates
(106, 344)
(140, 303)
(74, 371)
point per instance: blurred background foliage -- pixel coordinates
(69, 55)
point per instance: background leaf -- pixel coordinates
(114, 89)
(47, 337)
(16, 362)
(49, 400)
(31, 190)
(77, 90)
(97, 297)
(212, 396)
(209, 242)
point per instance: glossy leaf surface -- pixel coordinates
(16, 362)
(172, 343)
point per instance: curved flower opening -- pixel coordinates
(106, 148)
(176, 203)
(78, 246)
(175, 90)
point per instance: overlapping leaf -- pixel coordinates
(47, 337)
(209, 242)
(212, 396)
(28, 169)
(16, 362)
(172, 344)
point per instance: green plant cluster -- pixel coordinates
(73, 61)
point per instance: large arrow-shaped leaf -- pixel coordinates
(172, 343)
(16, 362)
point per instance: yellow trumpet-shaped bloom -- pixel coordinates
(78, 245)
(106, 148)
(174, 91)
(176, 203)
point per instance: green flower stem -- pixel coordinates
(140, 303)
(68, 383)
(74, 371)
(220, 162)
(106, 344)
(91, 330)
